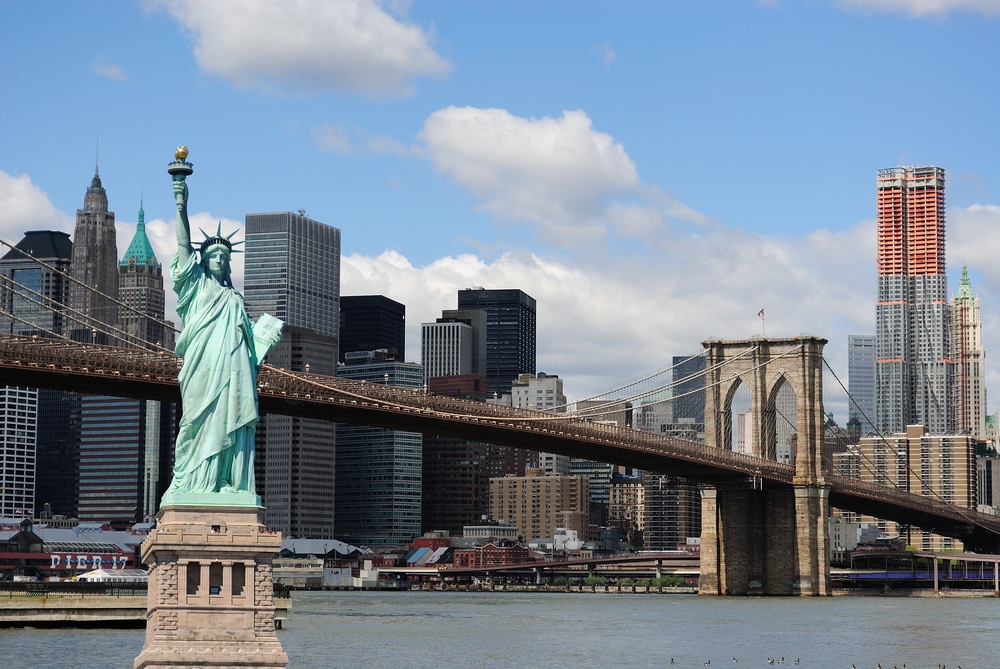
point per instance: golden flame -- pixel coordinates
(181, 153)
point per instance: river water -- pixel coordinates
(583, 631)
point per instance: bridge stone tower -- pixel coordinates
(759, 538)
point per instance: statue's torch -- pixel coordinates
(180, 169)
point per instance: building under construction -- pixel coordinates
(913, 352)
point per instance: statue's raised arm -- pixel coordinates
(182, 225)
(213, 461)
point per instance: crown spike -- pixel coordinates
(218, 239)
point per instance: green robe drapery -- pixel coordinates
(215, 443)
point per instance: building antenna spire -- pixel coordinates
(97, 154)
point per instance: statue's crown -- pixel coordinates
(218, 239)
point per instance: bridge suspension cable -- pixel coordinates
(960, 510)
(616, 405)
(52, 306)
(71, 279)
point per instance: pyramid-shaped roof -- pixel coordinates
(140, 248)
(965, 286)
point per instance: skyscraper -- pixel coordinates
(689, 376)
(969, 397)
(378, 470)
(455, 485)
(861, 378)
(37, 440)
(292, 272)
(95, 265)
(455, 344)
(510, 334)
(445, 348)
(371, 322)
(913, 367)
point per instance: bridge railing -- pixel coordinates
(907, 499)
(61, 355)
(317, 387)
(163, 367)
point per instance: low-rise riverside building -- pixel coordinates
(491, 555)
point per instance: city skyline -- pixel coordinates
(635, 230)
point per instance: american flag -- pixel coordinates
(760, 314)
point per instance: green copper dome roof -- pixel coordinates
(140, 248)
(964, 286)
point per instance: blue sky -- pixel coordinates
(652, 172)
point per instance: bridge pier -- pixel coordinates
(764, 542)
(759, 539)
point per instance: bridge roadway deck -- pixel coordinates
(139, 374)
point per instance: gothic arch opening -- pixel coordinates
(738, 419)
(782, 422)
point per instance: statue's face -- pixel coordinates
(217, 262)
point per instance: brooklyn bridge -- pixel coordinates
(143, 374)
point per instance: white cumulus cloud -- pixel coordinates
(924, 7)
(604, 320)
(559, 173)
(308, 45)
(24, 206)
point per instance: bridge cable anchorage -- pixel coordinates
(959, 510)
(615, 405)
(54, 270)
(18, 290)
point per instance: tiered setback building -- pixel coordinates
(537, 504)
(95, 265)
(140, 286)
(510, 334)
(913, 364)
(969, 396)
(292, 272)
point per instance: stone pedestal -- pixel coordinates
(210, 601)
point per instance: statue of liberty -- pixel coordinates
(213, 460)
